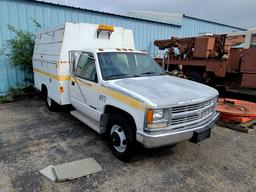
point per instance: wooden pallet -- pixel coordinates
(243, 127)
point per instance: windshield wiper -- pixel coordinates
(152, 73)
(117, 75)
(149, 73)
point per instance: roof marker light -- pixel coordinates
(106, 28)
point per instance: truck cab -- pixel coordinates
(125, 94)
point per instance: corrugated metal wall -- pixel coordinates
(20, 13)
(192, 27)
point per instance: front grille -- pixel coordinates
(191, 118)
(191, 107)
(189, 114)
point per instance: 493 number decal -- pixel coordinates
(102, 98)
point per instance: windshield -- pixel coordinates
(116, 65)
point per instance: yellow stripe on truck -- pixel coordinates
(116, 95)
(56, 77)
(110, 92)
(124, 98)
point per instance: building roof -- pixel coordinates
(102, 12)
(163, 20)
(169, 18)
(213, 22)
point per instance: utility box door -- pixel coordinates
(249, 61)
(203, 47)
(248, 81)
(234, 60)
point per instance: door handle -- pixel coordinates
(73, 83)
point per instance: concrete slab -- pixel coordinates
(5, 180)
(76, 169)
(49, 173)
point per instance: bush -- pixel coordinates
(19, 49)
(16, 93)
(13, 94)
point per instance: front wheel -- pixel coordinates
(121, 137)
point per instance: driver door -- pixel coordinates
(83, 83)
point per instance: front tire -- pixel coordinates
(121, 137)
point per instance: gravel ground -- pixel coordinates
(32, 138)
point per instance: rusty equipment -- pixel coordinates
(227, 60)
(237, 114)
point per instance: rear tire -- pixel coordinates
(51, 104)
(121, 137)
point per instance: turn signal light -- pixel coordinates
(150, 116)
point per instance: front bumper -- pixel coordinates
(152, 140)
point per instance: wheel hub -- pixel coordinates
(118, 138)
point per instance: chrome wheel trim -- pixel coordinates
(118, 131)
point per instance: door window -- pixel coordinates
(86, 67)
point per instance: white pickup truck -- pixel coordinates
(118, 91)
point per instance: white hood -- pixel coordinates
(164, 90)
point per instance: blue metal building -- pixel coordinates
(20, 13)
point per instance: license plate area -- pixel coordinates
(200, 135)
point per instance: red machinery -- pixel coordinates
(237, 114)
(226, 60)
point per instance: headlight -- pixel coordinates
(158, 114)
(157, 118)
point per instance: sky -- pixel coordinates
(240, 13)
